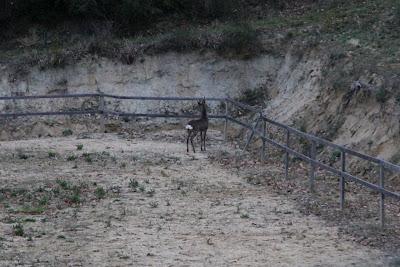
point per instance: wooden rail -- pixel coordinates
(311, 159)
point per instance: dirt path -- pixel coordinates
(184, 210)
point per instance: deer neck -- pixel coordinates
(203, 113)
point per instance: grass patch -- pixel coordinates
(32, 209)
(87, 157)
(18, 229)
(71, 158)
(133, 184)
(79, 147)
(63, 184)
(67, 132)
(100, 192)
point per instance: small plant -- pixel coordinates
(153, 204)
(123, 165)
(79, 147)
(133, 184)
(71, 158)
(141, 188)
(100, 192)
(87, 157)
(52, 154)
(18, 229)
(44, 201)
(63, 184)
(334, 156)
(244, 216)
(67, 132)
(75, 198)
(23, 156)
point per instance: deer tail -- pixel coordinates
(189, 127)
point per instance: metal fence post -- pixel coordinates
(382, 197)
(102, 105)
(342, 179)
(287, 154)
(312, 166)
(226, 121)
(264, 129)
(252, 132)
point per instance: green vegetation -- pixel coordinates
(63, 184)
(382, 95)
(71, 158)
(79, 147)
(66, 132)
(87, 157)
(22, 156)
(18, 229)
(100, 192)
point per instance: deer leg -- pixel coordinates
(201, 140)
(191, 140)
(187, 141)
(204, 140)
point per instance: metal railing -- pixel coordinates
(227, 117)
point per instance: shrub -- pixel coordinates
(100, 192)
(240, 39)
(254, 97)
(382, 95)
(67, 132)
(18, 229)
(180, 40)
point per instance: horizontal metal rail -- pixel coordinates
(159, 115)
(50, 113)
(47, 96)
(319, 164)
(312, 138)
(319, 140)
(156, 98)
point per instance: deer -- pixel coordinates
(195, 126)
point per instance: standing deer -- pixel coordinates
(200, 125)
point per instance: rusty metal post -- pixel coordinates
(102, 105)
(252, 132)
(342, 179)
(382, 195)
(287, 154)
(226, 121)
(264, 129)
(312, 166)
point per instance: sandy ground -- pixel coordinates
(184, 211)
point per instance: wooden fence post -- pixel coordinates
(382, 195)
(342, 179)
(226, 121)
(287, 154)
(312, 166)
